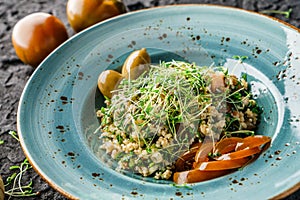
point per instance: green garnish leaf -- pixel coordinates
(149, 150)
(240, 58)
(244, 76)
(214, 155)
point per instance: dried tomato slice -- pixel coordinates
(220, 165)
(236, 152)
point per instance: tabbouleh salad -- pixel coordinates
(150, 121)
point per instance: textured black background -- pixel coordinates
(14, 74)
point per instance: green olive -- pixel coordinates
(108, 81)
(1, 189)
(136, 63)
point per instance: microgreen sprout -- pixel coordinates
(14, 181)
(240, 58)
(287, 13)
(14, 135)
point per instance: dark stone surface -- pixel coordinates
(14, 74)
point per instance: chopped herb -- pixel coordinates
(213, 155)
(149, 150)
(103, 109)
(244, 76)
(120, 139)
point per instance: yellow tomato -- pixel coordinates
(37, 35)
(84, 13)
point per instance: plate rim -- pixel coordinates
(33, 163)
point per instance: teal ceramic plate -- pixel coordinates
(56, 116)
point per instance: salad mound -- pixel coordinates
(174, 117)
